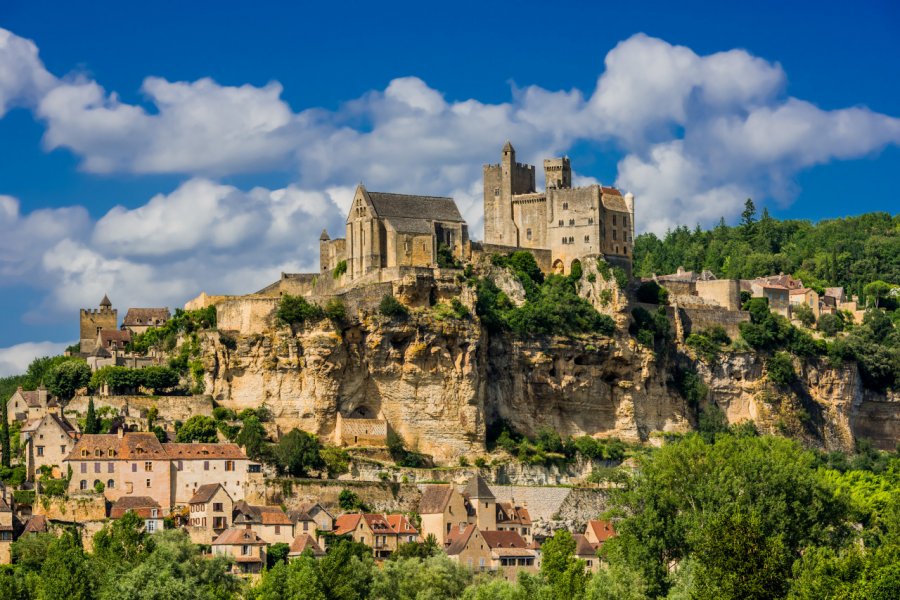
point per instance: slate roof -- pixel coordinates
(118, 336)
(304, 542)
(478, 488)
(132, 445)
(60, 421)
(436, 208)
(203, 451)
(378, 523)
(305, 511)
(105, 301)
(146, 316)
(404, 225)
(582, 546)
(33, 397)
(434, 499)
(612, 199)
(141, 505)
(238, 536)
(834, 292)
(205, 493)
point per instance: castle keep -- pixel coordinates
(568, 222)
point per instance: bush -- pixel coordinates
(708, 343)
(99, 487)
(780, 369)
(296, 310)
(335, 310)
(337, 460)
(651, 292)
(651, 330)
(391, 307)
(830, 324)
(349, 501)
(690, 386)
(198, 428)
(400, 455)
(804, 314)
(64, 379)
(557, 309)
(297, 453)
(340, 269)
(445, 258)
(220, 413)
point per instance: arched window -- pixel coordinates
(96, 482)
(83, 484)
(110, 484)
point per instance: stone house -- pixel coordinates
(210, 513)
(482, 502)
(569, 222)
(202, 463)
(514, 518)
(372, 530)
(598, 531)
(587, 552)
(139, 320)
(302, 543)
(442, 509)
(244, 546)
(466, 545)
(777, 295)
(114, 341)
(30, 405)
(36, 524)
(6, 526)
(48, 441)
(146, 508)
(270, 522)
(405, 531)
(311, 518)
(503, 551)
(385, 230)
(807, 296)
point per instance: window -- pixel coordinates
(571, 222)
(229, 465)
(154, 512)
(217, 507)
(129, 487)
(148, 483)
(148, 466)
(206, 465)
(110, 484)
(587, 239)
(571, 239)
(496, 191)
(590, 220)
(615, 234)
(110, 452)
(40, 450)
(306, 526)
(245, 550)
(151, 525)
(84, 453)
(110, 468)
(564, 240)
(614, 219)
(97, 467)
(84, 467)
(277, 529)
(565, 206)
(82, 485)
(62, 449)
(617, 249)
(625, 221)
(561, 222)
(528, 234)
(98, 452)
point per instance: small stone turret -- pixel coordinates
(93, 321)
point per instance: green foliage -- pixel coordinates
(339, 269)
(454, 310)
(24, 497)
(563, 572)
(391, 307)
(882, 294)
(252, 438)
(122, 380)
(690, 386)
(335, 310)
(297, 453)
(39, 370)
(445, 258)
(875, 346)
(197, 428)
(349, 501)
(400, 455)
(220, 413)
(652, 293)
(780, 369)
(712, 422)
(91, 423)
(277, 553)
(709, 343)
(431, 577)
(651, 329)
(830, 324)
(183, 323)
(64, 379)
(337, 460)
(66, 571)
(296, 310)
(804, 314)
(5, 442)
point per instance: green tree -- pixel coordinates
(804, 314)
(780, 369)
(91, 423)
(122, 544)
(5, 447)
(432, 577)
(299, 579)
(252, 438)
(198, 428)
(297, 453)
(64, 379)
(391, 307)
(347, 571)
(564, 572)
(296, 310)
(66, 571)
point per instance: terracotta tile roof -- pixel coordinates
(132, 446)
(116, 336)
(146, 316)
(238, 536)
(205, 493)
(35, 524)
(272, 515)
(141, 505)
(346, 523)
(503, 539)
(611, 190)
(509, 514)
(582, 546)
(378, 523)
(603, 530)
(459, 539)
(401, 525)
(304, 542)
(404, 205)
(478, 488)
(434, 499)
(204, 451)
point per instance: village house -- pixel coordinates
(514, 518)
(598, 531)
(304, 542)
(270, 522)
(503, 551)
(807, 296)
(94, 320)
(210, 513)
(442, 509)
(376, 531)
(201, 463)
(30, 405)
(6, 526)
(244, 546)
(777, 295)
(48, 441)
(146, 508)
(311, 518)
(35, 524)
(139, 320)
(586, 551)
(406, 533)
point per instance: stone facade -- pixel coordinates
(95, 320)
(47, 443)
(570, 222)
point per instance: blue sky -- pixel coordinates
(153, 151)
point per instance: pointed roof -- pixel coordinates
(508, 147)
(206, 492)
(105, 301)
(324, 237)
(434, 499)
(304, 542)
(478, 488)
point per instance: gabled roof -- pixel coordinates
(119, 336)
(612, 199)
(105, 301)
(203, 451)
(35, 524)
(401, 525)
(206, 492)
(404, 225)
(238, 536)
(582, 546)
(503, 539)
(800, 291)
(51, 418)
(4, 507)
(33, 398)
(603, 530)
(346, 523)
(141, 505)
(146, 316)
(378, 523)
(306, 510)
(273, 515)
(434, 499)
(304, 542)
(436, 208)
(324, 237)
(509, 513)
(131, 446)
(459, 539)
(477, 488)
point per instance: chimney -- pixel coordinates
(121, 432)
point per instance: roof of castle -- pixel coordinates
(478, 488)
(405, 206)
(105, 301)
(612, 199)
(324, 236)
(404, 225)
(146, 316)
(33, 397)
(508, 146)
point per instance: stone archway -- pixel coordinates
(575, 267)
(559, 267)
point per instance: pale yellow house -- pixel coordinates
(48, 441)
(244, 546)
(29, 405)
(270, 522)
(201, 463)
(210, 513)
(442, 509)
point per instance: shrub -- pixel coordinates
(690, 386)
(780, 369)
(445, 258)
(337, 460)
(296, 310)
(650, 329)
(220, 413)
(197, 428)
(391, 307)
(830, 324)
(228, 341)
(651, 292)
(576, 271)
(99, 487)
(804, 314)
(340, 269)
(335, 310)
(66, 378)
(349, 501)
(297, 453)
(480, 462)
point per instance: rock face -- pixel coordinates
(439, 382)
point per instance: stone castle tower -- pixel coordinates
(569, 222)
(93, 320)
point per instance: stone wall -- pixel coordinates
(247, 315)
(725, 292)
(483, 251)
(75, 507)
(134, 408)
(360, 432)
(380, 497)
(694, 320)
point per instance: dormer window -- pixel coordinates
(85, 453)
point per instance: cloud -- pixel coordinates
(14, 360)
(23, 78)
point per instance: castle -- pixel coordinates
(559, 225)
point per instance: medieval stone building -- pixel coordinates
(93, 321)
(394, 230)
(570, 223)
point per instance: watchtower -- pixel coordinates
(557, 173)
(93, 320)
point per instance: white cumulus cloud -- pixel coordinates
(14, 360)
